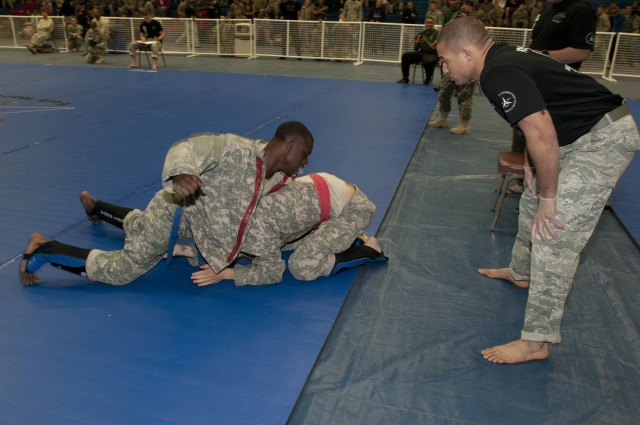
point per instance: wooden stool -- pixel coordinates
(511, 166)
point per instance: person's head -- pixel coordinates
(289, 149)
(378, 3)
(44, 12)
(410, 5)
(467, 8)
(454, 3)
(429, 23)
(148, 17)
(433, 6)
(73, 20)
(462, 44)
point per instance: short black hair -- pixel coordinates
(462, 31)
(293, 129)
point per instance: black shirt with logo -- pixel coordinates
(569, 23)
(519, 82)
(151, 29)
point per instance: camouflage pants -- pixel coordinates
(146, 239)
(75, 41)
(314, 255)
(95, 53)
(41, 37)
(465, 97)
(589, 169)
(155, 48)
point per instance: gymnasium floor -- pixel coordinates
(404, 345)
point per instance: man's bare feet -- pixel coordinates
(372, 242)
(35, 240)
(89, 203)
(504, 275)
(518, 351)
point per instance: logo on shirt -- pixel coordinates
(558, 18)
(589, 38)
(507, 101)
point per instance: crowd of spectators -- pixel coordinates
(503, 13)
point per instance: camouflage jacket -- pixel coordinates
(233, 172)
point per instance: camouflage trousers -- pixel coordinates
(155, 48)
(146, 239)
(589, 169)
(95, 53)
(465, 97)
(74, 41)
(314, 255)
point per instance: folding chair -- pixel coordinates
(511, 166)
(146, 48)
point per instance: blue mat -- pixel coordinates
(160, 351)
(625, 199)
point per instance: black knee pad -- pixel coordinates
(357, 255)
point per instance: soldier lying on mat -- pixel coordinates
(319, 216)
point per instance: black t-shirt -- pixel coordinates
(150, 29)
(519, 82)
(570, 23)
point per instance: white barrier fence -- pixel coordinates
(357, 42)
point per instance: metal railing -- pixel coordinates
(356, 42)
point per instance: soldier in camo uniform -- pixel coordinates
(74, 34)
(215, 181)
(96, 44)
(465, 105)
(318, 216)
(580, 139)
(465, 96)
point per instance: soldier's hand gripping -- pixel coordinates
(186, 185)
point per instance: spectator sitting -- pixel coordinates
(74, 34)
(435, 13)
(320, 11)
(520, 17)
(409, 14)
(495, 16)
(425, 53)
(378, 13)
(151, 33)
(39, 41)
(603, 23)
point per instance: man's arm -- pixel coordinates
(544, 152)
(570, 55)
(192, 157)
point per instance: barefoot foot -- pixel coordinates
(89, 203)
(35, 240)
(504, 275)
(372, 242)
(518, 351)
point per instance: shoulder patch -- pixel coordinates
(507, 101)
